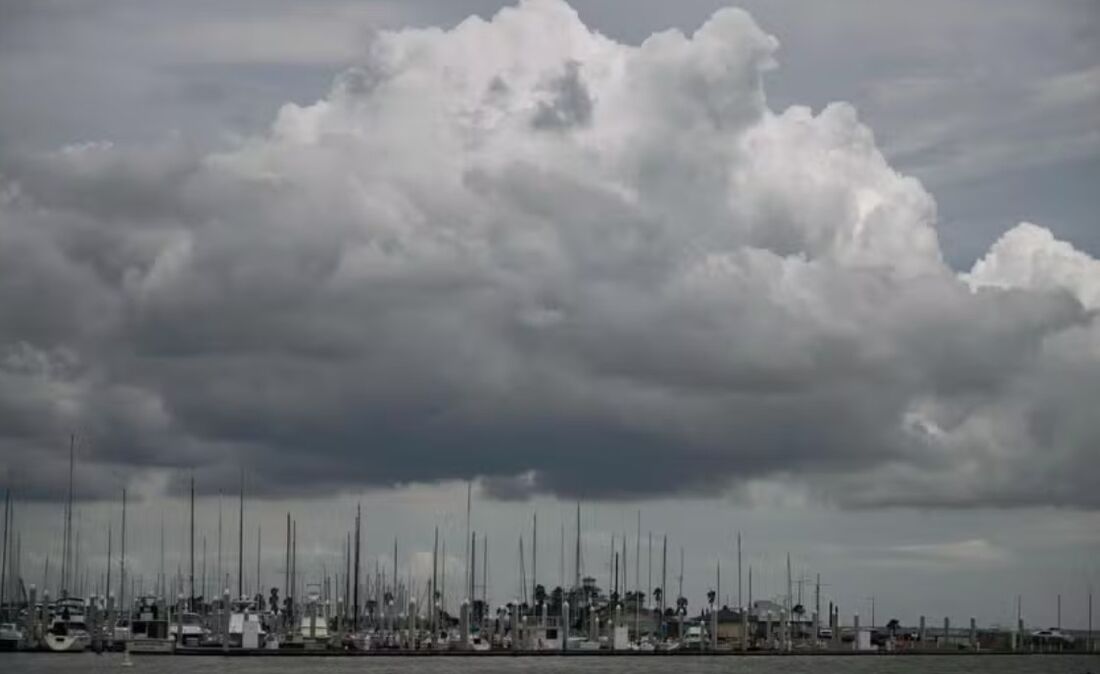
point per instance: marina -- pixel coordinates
(387, 612)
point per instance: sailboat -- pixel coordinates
(68, 631)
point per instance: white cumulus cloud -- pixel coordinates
(518, 249)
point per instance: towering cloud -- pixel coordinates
(519, 250)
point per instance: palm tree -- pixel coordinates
(557, 596)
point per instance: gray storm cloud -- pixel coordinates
(521, 251)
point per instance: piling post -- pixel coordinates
(921, 634)
(1090, 643)
(464, 624)
(564, 625)
(836, 628)
(30, 623)
(225, 621)
(111, 621)
(713, 628)
(817, 629)
(973, 634)
(946, 631)
(744, 630)
(855, 627)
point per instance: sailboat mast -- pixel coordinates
(664, 575)
(577, 560)
(240, 543)
(107, 591)
(191, 571)
(347, 571)
(259, 581)
(355, 587)
(434, 590)
(468, 558)
(286, 568)
(66, 545)
(162, 579)
(534, 556)
(122, 559)
(4, 558)
(220, 587)
(638, 577)
(740, 603)
(561, 559)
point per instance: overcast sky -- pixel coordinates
(825, 274)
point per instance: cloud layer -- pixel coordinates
(522, 251)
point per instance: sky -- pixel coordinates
(824, 275)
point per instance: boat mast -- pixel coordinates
(221, 580)
(358, 542)
(107, 591)
(191, 572)
(162, 579)
(122, 559)
(469, 549)
(4, 558)
(347, 572)
(740, 603)
(240, 543)
(664, 576)
(286, 568)
(638, 578)
(561, 560)
(434, 590)
(259, 581)
(66, 544)
(534, 556)
(577, 560)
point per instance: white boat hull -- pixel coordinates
(66, 643)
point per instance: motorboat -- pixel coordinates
(246, 629)
(148, 629)
(68, 632)
(10, 637)
(188, 630)
(477, 643)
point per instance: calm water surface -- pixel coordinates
(11, 663)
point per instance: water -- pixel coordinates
(12, 663)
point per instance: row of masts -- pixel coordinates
(383, 588)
